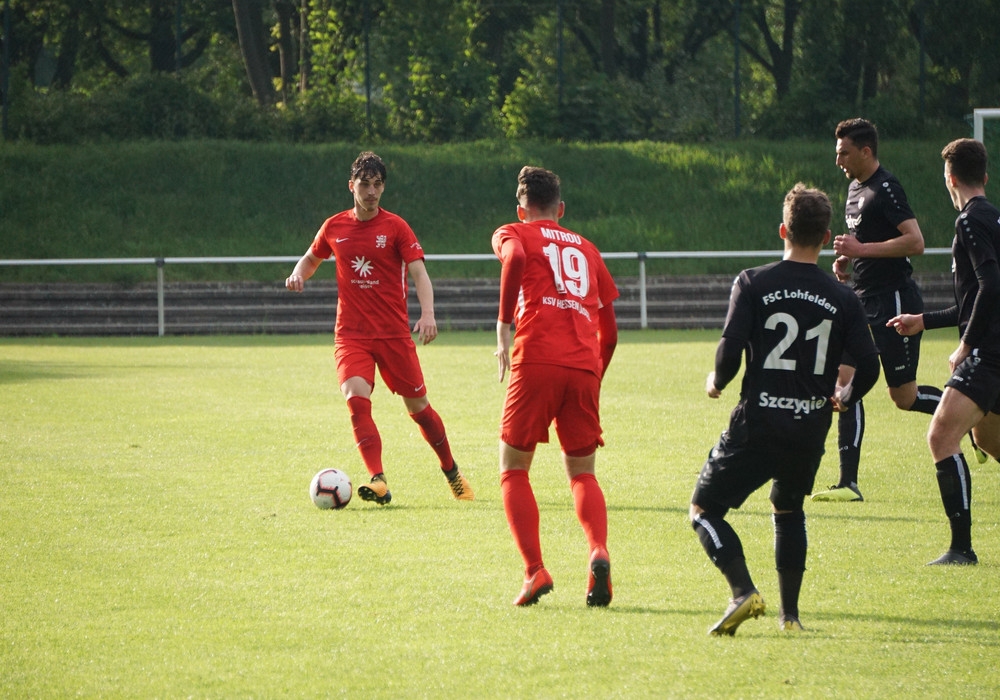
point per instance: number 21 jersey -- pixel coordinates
(795, 322)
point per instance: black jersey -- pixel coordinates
(874, 210)
(977, 243)
(795, 323)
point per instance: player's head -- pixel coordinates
(806, 216)
(368, 166)
(367, 184)
(861, 132)
(538, 188)
(857, 148)
(966, 160)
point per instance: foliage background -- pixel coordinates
(439, 70)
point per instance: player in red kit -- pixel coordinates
(374, 249)
(557, 291)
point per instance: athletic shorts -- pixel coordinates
(396, 359)
(539, 395)
(736, 467)
(899, 354)
(978, 377)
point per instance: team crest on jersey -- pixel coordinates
(861, 202)
(362, 266)
(380, 241)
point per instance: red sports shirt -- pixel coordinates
(565, 283)
(371, 272)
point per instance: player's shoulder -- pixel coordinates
(982, 208)
(884, 179)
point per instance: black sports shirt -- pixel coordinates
(873, 211)
(794, 323)
(976, 275)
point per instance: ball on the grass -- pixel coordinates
(330, 489)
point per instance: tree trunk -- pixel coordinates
(250, 29)
(286, 45)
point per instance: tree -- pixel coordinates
(253, 46)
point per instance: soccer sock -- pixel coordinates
(591, 509)
(850, 433)
(366, 435)
(956, 495)
(790, 545)
(725, 549)
(522, 516)
(432, 428)
(928, 398)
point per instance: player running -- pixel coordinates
(971, 397)
(794, 323)
(556, 287)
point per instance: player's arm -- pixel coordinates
(607, 335)
(910, 241)
(304, 269)
(425, 327)
(728, 357)
(866, 373)
(985, 307)
(512, 261)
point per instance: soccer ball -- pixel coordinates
(330, 489)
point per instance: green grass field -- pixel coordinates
(157, 539)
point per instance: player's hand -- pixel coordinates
(958, 357)
(503, 348)
(295, 283)
(847, 245)
(841, 395)
(710, 388)
(426, 329)
(840, 268)
(906, 324)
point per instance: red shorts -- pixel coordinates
(396, 359)
(540, 394)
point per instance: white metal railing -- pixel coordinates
(640, 257)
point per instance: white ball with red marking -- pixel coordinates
(330, 489)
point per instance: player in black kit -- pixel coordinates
(882, 233)
(971, 398)
(794, 322)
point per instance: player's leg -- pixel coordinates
(956, 415)
(578, 426)
(850, 434)
(727, 478)
(592, 512)
(521, 509)
(528, 410)
(400, 370)
(793, 480)
(987, 434)
(356, 374)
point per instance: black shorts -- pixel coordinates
(978, 377)
(899, 354)
(736, 467)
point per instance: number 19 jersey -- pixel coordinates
(565, 283)
(795, 322)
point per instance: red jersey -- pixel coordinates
(371, 261)
(565, 283)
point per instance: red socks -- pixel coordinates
(432, 428)
(522, 516)
(591, 509)
(366, 434)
